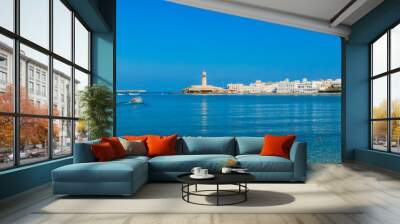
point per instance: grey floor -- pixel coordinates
(377, 188)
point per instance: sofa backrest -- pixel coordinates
(83, 152)
(249, 145)
(206, 145)
(191, 146)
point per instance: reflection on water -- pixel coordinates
(203, 117)
(314, 119)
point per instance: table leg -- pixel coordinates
(182, 189)
(217, 194)
(245, 193)
(188, 190)
(195, 188)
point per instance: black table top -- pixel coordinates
(220, 178)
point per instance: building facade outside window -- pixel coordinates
(30, 87)
(3, 71)
(3, 78)
(385, 91)
(45, 131)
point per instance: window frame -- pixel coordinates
(16, 114)
(388, 74)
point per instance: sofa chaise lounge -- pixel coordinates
(125, 176)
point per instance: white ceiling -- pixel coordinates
(327, 16)
(321, 9)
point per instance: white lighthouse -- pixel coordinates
(204, 88)
(204, 79)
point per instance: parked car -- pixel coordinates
(22, 155)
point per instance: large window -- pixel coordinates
(34, 21)
(385, 91)
(7, 14)
(81, 45)
(40, 80)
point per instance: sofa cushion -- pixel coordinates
(257, 163)
(103, 152)
(134, 138)
(133, 158)
(112, 171)
(185, 163)
(208, 145)
(116, 145)
(135, 147)
(277, 145)
(249, 145)
(161, 145)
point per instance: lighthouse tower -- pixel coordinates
(204, 78)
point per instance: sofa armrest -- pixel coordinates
(298, 155)
(83, 152)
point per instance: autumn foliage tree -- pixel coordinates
(380, 127)
(6, 122)
(33, 131)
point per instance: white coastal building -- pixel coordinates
(286, 87)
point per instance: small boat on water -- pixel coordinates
(136, 100)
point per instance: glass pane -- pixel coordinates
(33, 139)
(395, 95)
(379, 135)
(62, 89)
(379, 98)
(6, 74)
(395, 136)
(81, 131)
(81, 45)
(6, 142)
(34, 81)
(62, 138)
(62, 29)
(379, 55)
(395, 47)
(35, 21)
(81, 82)
(7, 14)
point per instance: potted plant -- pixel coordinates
(97, 105)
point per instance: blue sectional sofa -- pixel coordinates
(125, 176)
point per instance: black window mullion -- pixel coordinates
(371, 137)
(389, 100)
(73, 82)
(90, 53)
(16, 84)
(84, 70)
(50, 77)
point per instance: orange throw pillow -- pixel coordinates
(161, 145)
(103, 151)
(277, 145)
(142, 138)
(116, 145)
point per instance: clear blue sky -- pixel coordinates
(163, 46)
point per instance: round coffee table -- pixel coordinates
(238, 179)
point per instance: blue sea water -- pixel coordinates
(314, 119)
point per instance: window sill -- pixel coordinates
(381, 151)
(25, 167)
(377, 158)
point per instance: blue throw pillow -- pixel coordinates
(208, 145)
(249, 145)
